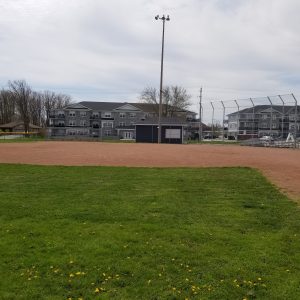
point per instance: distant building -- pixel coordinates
(260, 120)
(106, 119)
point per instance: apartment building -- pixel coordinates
(260, 120)
(104, 119)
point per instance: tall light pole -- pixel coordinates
(164, 19)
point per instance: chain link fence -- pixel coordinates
(272, 121)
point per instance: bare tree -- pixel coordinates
(7, 107)
(21, 93)
(36, 109)
(52, 101)
(174, 99)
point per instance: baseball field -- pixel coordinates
(87, 220)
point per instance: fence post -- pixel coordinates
(296, 115)
(271, 120)
(253, 116)
(212, 119)
(223, 120)
(283, 116)
(238, 119)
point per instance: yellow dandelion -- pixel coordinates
(159, 275)
(71, 275)
(149, 281)
(97, 290)
(71, 262)
(259, 278)
(78, 273)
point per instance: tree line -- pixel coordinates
(19, 102)
(174, 98)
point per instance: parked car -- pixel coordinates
(266, 138)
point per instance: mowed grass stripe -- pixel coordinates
(141, 233)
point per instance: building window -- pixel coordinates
(107, 132)
(122, 124)
(71, 132)
(132, 115)
(107, 115)
(61, 124)
(122, 115)
(95, 115)
(132, 123)
(107, 124)
(83, 114)
(72, 114)
(83, 123)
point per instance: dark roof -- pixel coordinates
(261, 108)
(18, 123)
(164, 121)
(109, 106)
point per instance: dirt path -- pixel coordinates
(281, 166)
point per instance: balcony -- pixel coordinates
(107, 118)
(94, 117)
(57, 125)
(60, 116)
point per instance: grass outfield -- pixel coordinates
(141, 233)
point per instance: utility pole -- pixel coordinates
(200, 117)
(164, 19)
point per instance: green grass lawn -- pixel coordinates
(138, 233)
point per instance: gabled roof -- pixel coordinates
(128, 106)
(76, 106)
(102, 106)
(110, 106)
(18, 123)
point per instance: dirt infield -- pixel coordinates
(281, 166)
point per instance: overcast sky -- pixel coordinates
(98, 50)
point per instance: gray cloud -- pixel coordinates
(110, 50)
